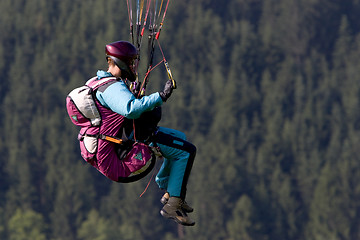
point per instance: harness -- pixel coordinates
(132, 160)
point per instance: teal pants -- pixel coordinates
(179, 156)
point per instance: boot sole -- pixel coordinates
(166, 215)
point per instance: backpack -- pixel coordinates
(81, 106)
(138, 157)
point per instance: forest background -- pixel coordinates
(268, 91)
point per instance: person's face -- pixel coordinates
(114, 70)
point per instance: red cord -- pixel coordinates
(152, 175)
(162, 53)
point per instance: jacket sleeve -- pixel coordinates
(119, 99)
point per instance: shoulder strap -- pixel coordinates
(94, 83)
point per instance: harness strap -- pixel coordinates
(111, 139)
(94, 83)
(105, 137)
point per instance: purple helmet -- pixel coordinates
(124, 54)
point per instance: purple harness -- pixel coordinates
(99, 140)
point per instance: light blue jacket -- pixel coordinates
(119, 99)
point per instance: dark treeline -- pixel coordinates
(268, 91)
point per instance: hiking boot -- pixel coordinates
(173, 210)
(184, 206)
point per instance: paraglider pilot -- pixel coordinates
(178, 153)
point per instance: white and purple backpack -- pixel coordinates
(81, 106)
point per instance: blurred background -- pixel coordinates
(268, 91)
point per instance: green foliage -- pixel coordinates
(26, 225)
(268, 91)
(94, 227)
(241, 226)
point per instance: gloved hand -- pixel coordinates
(168, 88)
